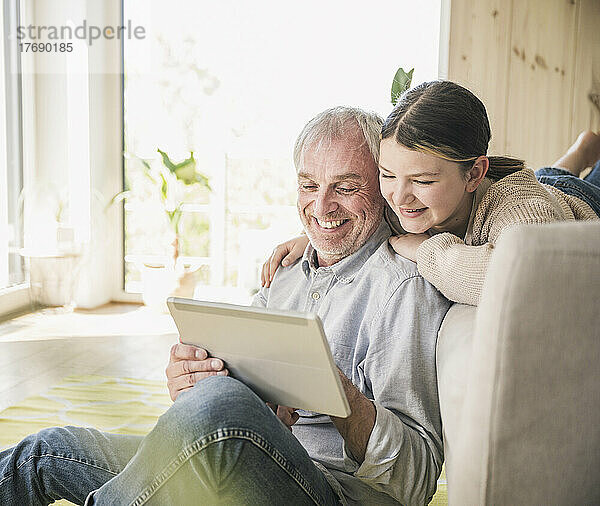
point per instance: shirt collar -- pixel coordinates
(346, 269)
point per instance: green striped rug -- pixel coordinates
(121, 405)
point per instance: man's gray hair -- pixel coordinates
(333, 124)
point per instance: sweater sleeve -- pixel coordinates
(457, 269)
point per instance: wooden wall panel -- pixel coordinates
(587, 69)
(541, 79)
(478, 56)
(534, 64)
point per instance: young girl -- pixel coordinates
(452, 200)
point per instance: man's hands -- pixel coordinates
(407, 244)
(188, 365)
(287, 415)
(356, 429)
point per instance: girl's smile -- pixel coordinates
(425, 191)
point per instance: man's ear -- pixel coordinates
(477, 172)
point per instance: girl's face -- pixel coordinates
(425, 192)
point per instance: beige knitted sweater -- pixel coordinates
(457, 266)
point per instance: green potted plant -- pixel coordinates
(401, 83)
(169, 183)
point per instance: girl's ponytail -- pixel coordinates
(501, 166)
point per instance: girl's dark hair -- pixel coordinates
(444, 119)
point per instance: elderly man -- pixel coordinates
(220, 443)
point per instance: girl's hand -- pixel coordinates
(284, 254)
(407, 244)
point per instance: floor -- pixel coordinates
(37, 350)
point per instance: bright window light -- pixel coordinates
(234, 82)
(11, 152)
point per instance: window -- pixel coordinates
(234, 82)
(11, 149)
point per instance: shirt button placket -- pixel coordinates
(315, 292)
(314, 297)
(318, 289)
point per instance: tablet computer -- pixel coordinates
(283, 356)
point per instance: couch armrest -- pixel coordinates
(529, 426)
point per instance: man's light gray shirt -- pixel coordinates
(381, 319)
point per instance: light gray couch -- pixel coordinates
(519, 376)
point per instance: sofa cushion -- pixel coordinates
(454, 344)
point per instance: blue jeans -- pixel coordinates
(587, 189)
(218, 444)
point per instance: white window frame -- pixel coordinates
(12, 298)
(99, 120)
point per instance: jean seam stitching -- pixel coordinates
(222, 435)
(580, 193)
(31, 457)
(567, 184)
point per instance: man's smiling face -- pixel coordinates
(339, 201)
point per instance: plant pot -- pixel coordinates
(158, 281)
(52, 278)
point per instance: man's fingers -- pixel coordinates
(175, 393)
(287, 415)
(189, 380)
(186, 381)
(189, 364)
(182, 367)
(182, 351)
